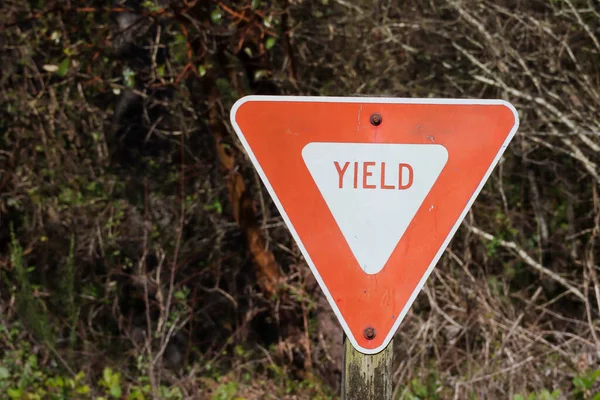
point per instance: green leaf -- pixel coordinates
(270, 42)
(15, 393)
(129, 77)
(546, 395)
(259, 74)
(579, 383)
(149, 4)
(201, 70)
(418, 388)
(136, 394)
(216, 16)
(107, 374)
(63, 67)
(32, 361)
(225, 391)
(268, 21)
(115, 391)
(85, 389)
(4, 373)
(112, 382)
(215, 206)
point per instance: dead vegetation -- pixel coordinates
(149, 246)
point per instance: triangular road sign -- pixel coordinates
(372, 190)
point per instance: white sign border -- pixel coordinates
(369, 100)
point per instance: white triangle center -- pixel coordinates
(374, 191)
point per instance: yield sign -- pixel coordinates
(372, 190)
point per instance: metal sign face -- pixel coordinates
(372, 190)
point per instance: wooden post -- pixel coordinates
(367, 377)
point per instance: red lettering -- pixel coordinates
(383, 185)
(355, 175)
(341, 172)
(408, 168)
(366, 174)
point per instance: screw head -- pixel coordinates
(376, 119)
(370, 333)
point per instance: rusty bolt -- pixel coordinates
(376, 119)
(370, 333)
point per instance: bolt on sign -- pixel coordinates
(372, 190)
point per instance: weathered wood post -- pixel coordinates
(367, 377)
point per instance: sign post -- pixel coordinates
(367, 376)
(372, 190)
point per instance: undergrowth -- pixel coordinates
(140, 257)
